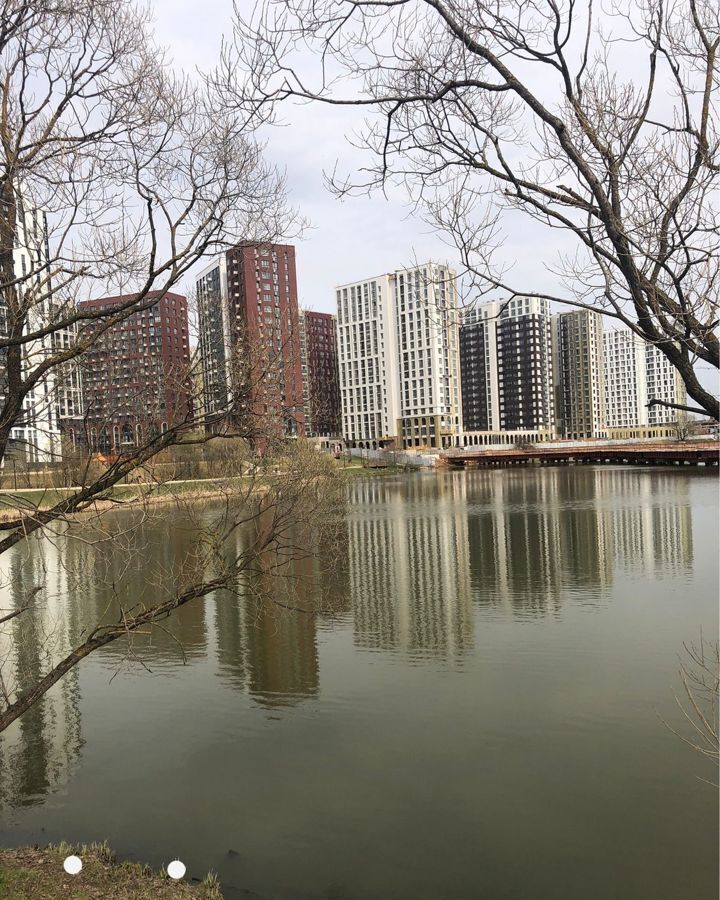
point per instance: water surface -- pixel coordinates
(470, 706)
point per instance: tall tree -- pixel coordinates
(117, 175)
(599, 124)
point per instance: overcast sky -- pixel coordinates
(359, 237)
(346, 240)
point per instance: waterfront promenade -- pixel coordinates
(703, 453)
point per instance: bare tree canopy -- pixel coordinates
(483, 108)
(700, 676)
(117, 175)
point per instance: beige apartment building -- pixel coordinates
(579, 375)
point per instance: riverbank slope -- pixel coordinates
(37, 873)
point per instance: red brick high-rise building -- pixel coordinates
(250, 340)
(322, 375)
(135, 376)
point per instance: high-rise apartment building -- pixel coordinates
(321, 376)
(479, 369)
(506, 365)
(580, 374)
(56, 396)
(525, 371)
(399, 359)
(136, 378)
(217, 340)
(429, 356)
(663, 383)
(625, 379)
(368, 361)
(250, 340)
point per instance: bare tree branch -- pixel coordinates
(483, 109)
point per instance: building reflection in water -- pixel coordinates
(267, 636)
(38, 753)
(266, 650)
(518, 538)
(408, 565)
(649, 520)
(411, 562)
(537, 535)
(514, 536)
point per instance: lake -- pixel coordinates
(468, 703)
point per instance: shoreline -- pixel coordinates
(131, 495)
(37, 873)
(9, 512)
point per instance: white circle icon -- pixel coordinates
(176, 869)
(72, 865)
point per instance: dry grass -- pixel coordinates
(38, 873)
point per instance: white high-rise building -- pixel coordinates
(663, 383)
(215, 337)
(368, 360)
(625, 379)
(36, 434)
(429, 351)
(398, 350)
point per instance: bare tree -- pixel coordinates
(117, 175)
(487, 109)
(700, 676)
(684, 428)
(255, 525)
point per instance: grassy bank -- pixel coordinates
(29, 500)
(45, 498)
(38, 874)
(353, 469)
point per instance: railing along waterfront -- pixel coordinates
(705, 453)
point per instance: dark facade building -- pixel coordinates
(525, 371)
(321, 374)
(250, 340)
(135, 376)
(477, 368)
(507, 370)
